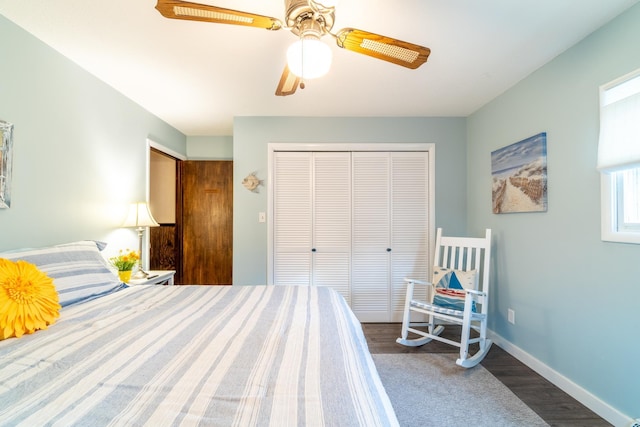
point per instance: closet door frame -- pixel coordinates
(331, 146)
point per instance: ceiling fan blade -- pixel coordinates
(397, 51)
(200, 12)
(288, 83)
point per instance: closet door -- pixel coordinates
(409, 226)
(312, 220)
(371, 236)
(331, 251)
(390, 230)
(354, 221)
(292, 219)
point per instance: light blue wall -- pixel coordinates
(252, 134)
(79, 146)
(210, 147)
(576, 298)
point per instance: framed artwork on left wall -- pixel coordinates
(6, 147)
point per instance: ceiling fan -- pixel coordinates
(309, 20)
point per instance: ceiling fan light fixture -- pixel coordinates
(309, 58)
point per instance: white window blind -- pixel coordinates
(619, 145)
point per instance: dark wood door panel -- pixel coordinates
(207, 222)
(163, 247)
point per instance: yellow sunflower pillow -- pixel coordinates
(28, 299)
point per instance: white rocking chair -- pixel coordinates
(458, 294)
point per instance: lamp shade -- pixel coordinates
(139, 216)
(309, 57)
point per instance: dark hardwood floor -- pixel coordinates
(553, 405)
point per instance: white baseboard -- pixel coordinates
(604, 410)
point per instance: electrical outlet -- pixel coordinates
(635, 423)
(511, 316)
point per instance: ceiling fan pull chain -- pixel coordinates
(302, 83)
(302, 57)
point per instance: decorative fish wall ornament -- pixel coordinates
(251, 182)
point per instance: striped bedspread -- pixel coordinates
(196, 355)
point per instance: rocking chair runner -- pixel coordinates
(458, 294)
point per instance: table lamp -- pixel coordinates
(140, 217)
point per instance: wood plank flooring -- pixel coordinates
(553, 405)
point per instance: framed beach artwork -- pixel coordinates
(519, 173)
(6, 142)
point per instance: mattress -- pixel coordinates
(196, 355)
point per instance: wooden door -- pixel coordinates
(207, 222)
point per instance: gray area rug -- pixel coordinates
(429, 389)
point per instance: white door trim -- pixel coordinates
(153, 144)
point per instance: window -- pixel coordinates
(628, 198)
(619, 159)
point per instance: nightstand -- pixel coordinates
(156, 277)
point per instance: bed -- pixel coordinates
(188, 355)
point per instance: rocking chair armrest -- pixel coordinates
(417, 282)
(475, 292)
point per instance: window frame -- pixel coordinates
(624, 196)
(613, 228)
(611, 231)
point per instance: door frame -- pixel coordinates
(168, 151)
(273, 147)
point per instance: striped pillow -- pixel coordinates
(450, 285)
(78, 270)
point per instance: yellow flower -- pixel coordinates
(125, 260)
(28, 299)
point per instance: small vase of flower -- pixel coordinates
(124, 263)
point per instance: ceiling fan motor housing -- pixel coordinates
(305, 15)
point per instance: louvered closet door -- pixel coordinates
(312, 220)
(371, 236)
(390, 238)
(332, 221)
(409, 225)
(292, 220)
(354, 221)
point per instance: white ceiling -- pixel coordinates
(197, 76)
